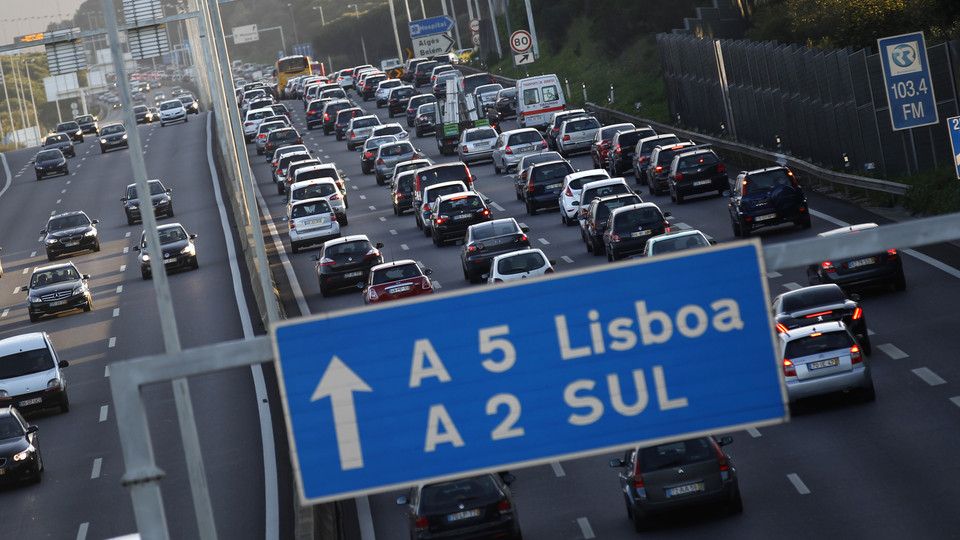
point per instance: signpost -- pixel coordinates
(520, 43)
(433, 44)
(245, 34)
(433, 25)
(490, 379)
(521, 59)
(906, 76)
(953, 124)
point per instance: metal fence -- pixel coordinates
(827, 107)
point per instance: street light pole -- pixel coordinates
(362, 42)
(296, 38)
(322, 22)
(36, 119)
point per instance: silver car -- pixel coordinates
(512, 145)
(576, 135)
(359, 130)
(824, 358)
(476, 144)
(388, 155)
(262, 131)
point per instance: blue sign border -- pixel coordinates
(909, 92)
(720, 379)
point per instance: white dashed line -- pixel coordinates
(127, 235)
(373, 208)
(82, 532)
(16, 290)
(119, 289)
(558, 469)
(59, 201)
(773, 275)
(798, 484)
(754, 432)
(496, 207)
(33, 253)
(585, 528)
(892, 351)
(112, 343)
(381, 217)
(95, 473)
(928, 376)
(68, 182)
(53, 212)
(63, 191)
(566, 259)
(363, 197)
(103, 412)
(4, 314)
(126, 250)
(543, 241)
(106, 371)
(792, 286)
(25, 270)
(955, 400)
(404, 247)
(436, 285)
(116, 312)
(123, 266)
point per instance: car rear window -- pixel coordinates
(639, 217)
(578, 183)
(481, 134)
(492, 229)
(443, 497)
(432, 194)
(461, 204)
(670, 455)
(604, 191)
(314, 191)
(817, 343)
(365, 122)
(395, 273)
(813, 297)
(525, 137)
(631, 138)
(396, 150)
(648, 146)
(686, 241)
(767, 180)
(551, 171)
(435, 175)
(310, 209)
(604, 208)
(582, 125)
(520, 263)
(698, 160)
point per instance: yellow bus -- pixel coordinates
(289, 67)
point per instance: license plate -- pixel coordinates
(71, 244)
(554, 186)
(33, 401)
(703, 182)
(638, 234)
(482, 145)
(462, 216)
(58, 303)
(312, 221)
(169, 261)
(463, 515)
(353, 274)
(527, 149)
(861, 262)
(684, 490)
(829, 362)
(765, 217)
(396, 290)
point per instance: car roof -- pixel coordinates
(345, 239)
(849, 229)
(394, 263)
(22, 342)
(604, 182)
(445, 184)
(636, 206)
(458, 195)
(806, 331)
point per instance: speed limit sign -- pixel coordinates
(520, 41)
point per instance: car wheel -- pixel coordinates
(381, 181)
(164, 125)
(186, 119)
(639, 522)
(900, 282)
(38, 470)
(530, 209)
(339, 137)
(34, 318)
(865, 345)
(868, 394)
(805, 222)
(496, 168)
(589, 244)
(744, 229)
(610, 257)
(195, 264)
(66, 171)
(396, 211)
(342, 220)
(598, 247)
(294, 247)
(280, 188)
(81, 139)
(96, 247)
(736, 227)
(474, 277)
(65, 403)
(427, 232)
(145, 274)
(324, 292)
(102, 151)
(51, 256)
(678, 197)
(39, 176)
(563, 217)
(89, 305)
(735, 506)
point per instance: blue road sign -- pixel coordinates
(953, 124)
(303, 49)
(559, 367)
(906, 75)
(433, 25)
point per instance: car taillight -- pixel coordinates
(485, 212)
(508, 150)
(326, 261)
(641, 159)
(614, 237)
(440, 220)
(567, 192)
(658, 168)
(678, 176)
(637, 476)
(548, 270)
(335, 197)
(352, 135)
(827, 267)
(326, 117)
(425, 283)
(789, 370)
(465, 148)
(415, 156)
(543, 144)
(422, 523)
(781, 328)
(857, 313)
(891, 254)
(721, 168)
(566, 137)
(373, 253)
(605, 145)
(616, 149)
(855, 356)
(504, 506)
(368, 155)
(381, 162)
(293, 226)
(721, 458)
(530, 187)
(373, 298)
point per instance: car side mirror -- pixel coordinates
(667, 214)
(855, 297)
(615, 463)
(24, 288)
(403, 499)
(552, 262)
(95, 221)
(168, 191)
(725, 441)
(726, 193)
(136, 248)
(193, 236)
(86, 276)
(64, 363)
(361, 286)
(507, 478)
(43, 231)
(525, 228)
(427, 271)
(379, 245)
(32, 429)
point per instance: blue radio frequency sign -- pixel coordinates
(906, 75)
(555, 368)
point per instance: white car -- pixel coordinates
(312, 221)
(517, 265)
(172, 111)
(251, 121)
(392, 128)
(477, 144)
(672, 241)
(570, 192)
(313, 188)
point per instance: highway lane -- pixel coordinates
(81, 495)
(839, 467)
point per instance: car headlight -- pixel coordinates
(124, 136)
(54, 384)
(189, 250)
(165, 200)
(91, 232)
(33, 299)
(4, 394)
(78, 290)
(50, 241)
(144, 258)
(23, 456)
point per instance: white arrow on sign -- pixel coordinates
(339, 382)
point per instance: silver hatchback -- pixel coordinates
(576, 135)
(388, 155)
(822, 359)
(476, 144)
(512, 145)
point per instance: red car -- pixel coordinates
(601, 143)
(395, 280)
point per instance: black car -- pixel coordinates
(451, 215)
(506, 103)
(113, 136)
(159, 195)
(50, 162)
(594, 223)
(346, 262)
(343, 120)
(314, 113)
(70, 232)
(279, 138)
(330, 111)
(20, 456)
(544, 182)
(190, 104)
(72, 129)
(401, 192)
(883, 269)
(808, 306)
(527, 161)
(57, 288)
(88, 123)
(176, 245)
(695, 172)
(484, 241)
(677, 475)
(397, 100)
(765, 197)
(414, 103)
(629, 228)
(423, 123)
(658, 166)
(60, 141)
(476, 507)
(140, 113)
(622, 146)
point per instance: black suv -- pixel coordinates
(766, 197)
(695, 172)
(314, 113)
(414, 102)
(113, 136)
(346, 262)
(452, 214)
(401, 192)
(70, 232)
(629, 228)
(544, 182)
(659, 165)
(484, 241)
(622, 146)
(397, 100)
(594, 223)
(160, 196)
(808, 306)
(57, 288)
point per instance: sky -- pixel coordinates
(18, 18)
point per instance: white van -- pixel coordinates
(31, 373)
(537, 99)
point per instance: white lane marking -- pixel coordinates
(63, 191)
(119, 289)
(123, 267)
(792, 286)
(437, 285)
(543, 241)
(892, 351)
(363, 197)
(496, 206)
(33, 253)
(955, 400)
(68, 181)
(95, 473)
(754, 432)
(870, 332)
(106, 370)
(59, 201)
(4, 314)
(25, 270)
(112, 342)
(798, 484)
(404, 247)
(682, 226)
(116, 312)
(127, 235)
(126, 250)
(16, 290)
(53, 212)
(381, 217)
(372, 208)
(558, 469)
(566, 259)
(103, 412)
(82, 531)
(394, 232)
(928, 376)
(585, 528)
(773, 275)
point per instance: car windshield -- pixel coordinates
(186, 99)
(169, 236)
(67, 222)
(85, 119)
(310, 209)
(107, 130)
(493, 229)
(669, 455)
(817, 343)
(439, 498)
(481, 135)
(68, 126)
(50, 277)
(56, 139)
(814, 296)
(396, 273)
(10, 427)
(23, 363)
(167, 105)
(49, 154)
(365, 122)
(314, 191)
(156, 188)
